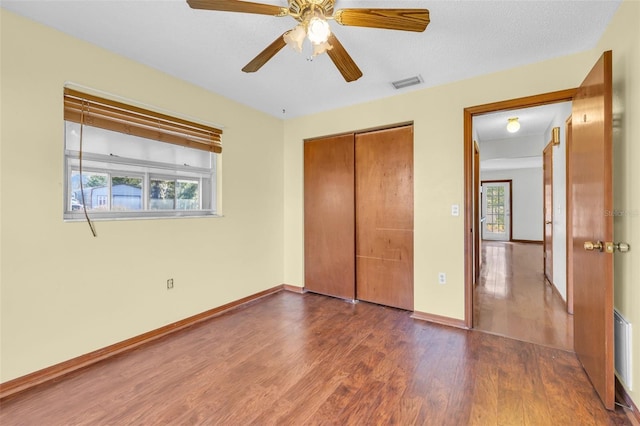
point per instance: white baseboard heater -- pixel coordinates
(622, 338)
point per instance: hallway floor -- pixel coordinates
(513, 299)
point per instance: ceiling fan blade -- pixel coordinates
(342, 60)
(265, 55)
(239, 6)
(390, 19)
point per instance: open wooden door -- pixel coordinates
(547, 191)
(591, 198)
(329, 217)
(476, 212)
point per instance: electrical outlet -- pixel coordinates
(169, 283)
(442, 278)
(455, 210)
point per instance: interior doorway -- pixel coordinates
(510, 261)
(589, 234)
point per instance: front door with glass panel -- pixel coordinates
(496, 210)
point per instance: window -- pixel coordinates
(134, 163)
(495, 209)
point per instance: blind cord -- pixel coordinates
(84, 204)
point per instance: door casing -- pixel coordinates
(569, 207)
(547, 211)
(468, 113)
(476, 211)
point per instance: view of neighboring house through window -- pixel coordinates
(106, 192)
(126, 193)
(131, 176)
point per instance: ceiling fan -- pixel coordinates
(312, 16)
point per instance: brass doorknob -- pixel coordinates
(611, 247)
(593, 246)
(622, 247)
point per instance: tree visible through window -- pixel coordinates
(175, 194)
(495, 209)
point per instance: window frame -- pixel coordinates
(145, 212)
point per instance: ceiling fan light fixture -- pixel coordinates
(318, 30)
(513, 125)
(295, 38)
(320, 48)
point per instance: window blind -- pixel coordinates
(120, 117)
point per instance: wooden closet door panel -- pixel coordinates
(384, 217)
(329, 216)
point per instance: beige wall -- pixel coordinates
(623, 37)
(65, 293)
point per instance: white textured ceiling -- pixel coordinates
(464, 39)
(533, 121)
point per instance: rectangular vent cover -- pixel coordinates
(622, 337)
(411, 81)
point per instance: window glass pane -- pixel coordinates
(162, 194)
(495, 208)
(126, 193)
(96, 190)
(187, 195)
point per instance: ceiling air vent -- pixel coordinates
(411, 81)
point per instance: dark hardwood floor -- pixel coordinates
(292, 359)
(513, 299)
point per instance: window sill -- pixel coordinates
(105, 216)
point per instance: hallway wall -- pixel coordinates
(526, 201)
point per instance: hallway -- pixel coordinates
(512, 298)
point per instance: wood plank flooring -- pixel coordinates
(512, 298)
(307, 359)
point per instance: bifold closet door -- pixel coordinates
(384, 217)
(329, 216)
